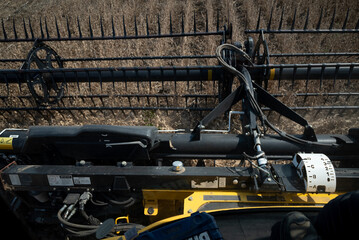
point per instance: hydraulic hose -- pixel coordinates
(244, 58)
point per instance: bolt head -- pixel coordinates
(177, 166)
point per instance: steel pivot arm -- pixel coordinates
(264, 98)
(221, 108)
(268, 100)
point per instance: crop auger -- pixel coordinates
(135, 182)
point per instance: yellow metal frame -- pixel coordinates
(179, 217)
(161, 205)
(192, 201)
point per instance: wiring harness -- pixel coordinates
(75, 202)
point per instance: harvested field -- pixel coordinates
(242, 14)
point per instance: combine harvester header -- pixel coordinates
(107, 181)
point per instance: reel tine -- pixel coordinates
(281, 19)
(194, 21)
(259, 18)
(90, 27)
(136, 31)
(3, 29)
(31, 31)
(101, 26)
(317, 28)
(47, 30)
(306, 20)
(14, 28)
(88, 80)
(68, 28)
(270, 18)
(57, 29)
(159, 25)
(346, 20)
(79, 27)
(147, 28)
(217, 20)
(41, 30)
(124, 26)
(294, 18)
(182, 24)
(7, 84)
(320, 18)
(170, 23)
(113, 27)
(206, 21)
(333, 18)
(77, 82)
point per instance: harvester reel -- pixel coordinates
(261, 57)
(42, 84)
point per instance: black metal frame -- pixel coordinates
(136, 178)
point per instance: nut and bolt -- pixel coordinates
(150, 210)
